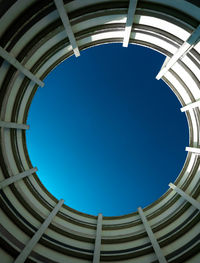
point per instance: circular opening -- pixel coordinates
(105, 134)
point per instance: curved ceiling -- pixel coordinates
(36, 227)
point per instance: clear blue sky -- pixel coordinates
(105, 135)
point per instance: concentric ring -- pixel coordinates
(33, 33)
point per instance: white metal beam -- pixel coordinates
(129, 21)
(97, 249)
(184, 49)
(191, 106)
(65, 20)
(191, 200)
(34, 240)
(193, 150)
(14, 125)
(13, 61)
(17, 177)
(152, 238)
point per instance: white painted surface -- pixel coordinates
(13, 61)
(152, 238)
(195, 203)
(193, 150)
(13, 125)
(187, 45)
(65, 20)
(33, 241)
(16, 177)
(97, 248)
(191, 106)
(129, 21)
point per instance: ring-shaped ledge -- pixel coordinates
(33, 33)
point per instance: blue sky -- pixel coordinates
(105, 135)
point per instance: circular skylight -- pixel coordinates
(105, 134)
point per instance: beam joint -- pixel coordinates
(38, 234)
(182, 51)
(97, 248)
(152, 238)
(191, 106)
(15, 63)
(66, 23)
(129, 21)
(191, 200)
(193, 150)
(17, 177)
(14, 125)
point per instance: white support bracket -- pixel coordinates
(152, 238)
(129, 21)
(17, 177)
(13, 61)
(184, 49)
(34, 240)
(14, 125)
(193, 150)
(191, 200)
(65, 20)
(97, 248)
(191, 106)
